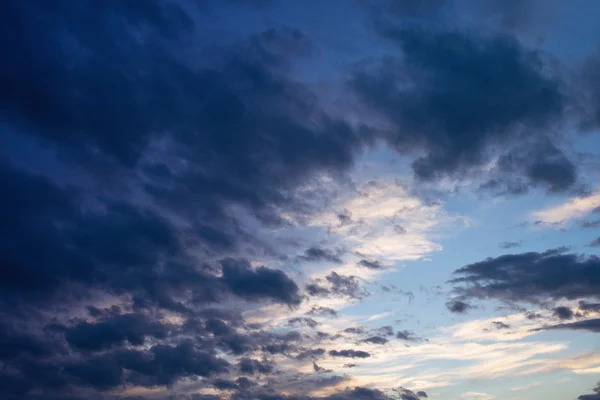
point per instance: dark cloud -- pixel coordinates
(406, 394)
(542, 163)
(251, 366)
(500, 325)
(225, 384)
(592, 325)
(120, 249)
(319, 369)
(311, 354)
(375, 340)
(595, 242)
(350, 365)
(160, 365)
(324, 311)
(303, 321)
(355, 330)
(357, 393)
(124, 82)
(586, 307)
(386, 330)
(349, 353)
(337, 285)
(15, 343)
(531, 315)
(371, 264)
(316, 254)
(589, 224)
(458, 306)
(460, 116)
(407, 335)
(594, 396)
(262, 282)
(590, 93)
(127, 261)
(509, 245)
(533, 277)
(105, 333)
(563, 313)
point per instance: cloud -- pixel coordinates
(375, 340)
(371, 264)
(594, 396)
(563, 312)
(500, 325)
(458, 306)
(355, 330)
(320, 369)
(349, 353)
(323, 311)
(177, 195)
(251, 367)
(533, 277)
(592, 325)
(509, 245)
(407, 335)
(311, 354)
(337, 285)
(316, 254)
(303, 321)
(262, 282)
(589, 307)
(109, 332)
(589, 224)
(432, 104)
(541, 162)
(568, 210)
(587, 78)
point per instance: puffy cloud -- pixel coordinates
(263, 282)
(432, 104)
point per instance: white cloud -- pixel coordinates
(477, 396)
(566, 211)
(385, 223)
(525, 387)
(585, 371)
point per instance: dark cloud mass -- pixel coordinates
(163, 163)
(563, 312)
(461, 97)
(594, 396)
(349, 353)
(245, 282)
(458, 306)
(592, 325)
(532, 277)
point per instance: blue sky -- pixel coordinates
(300, 200)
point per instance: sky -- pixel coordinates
(300, 200)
